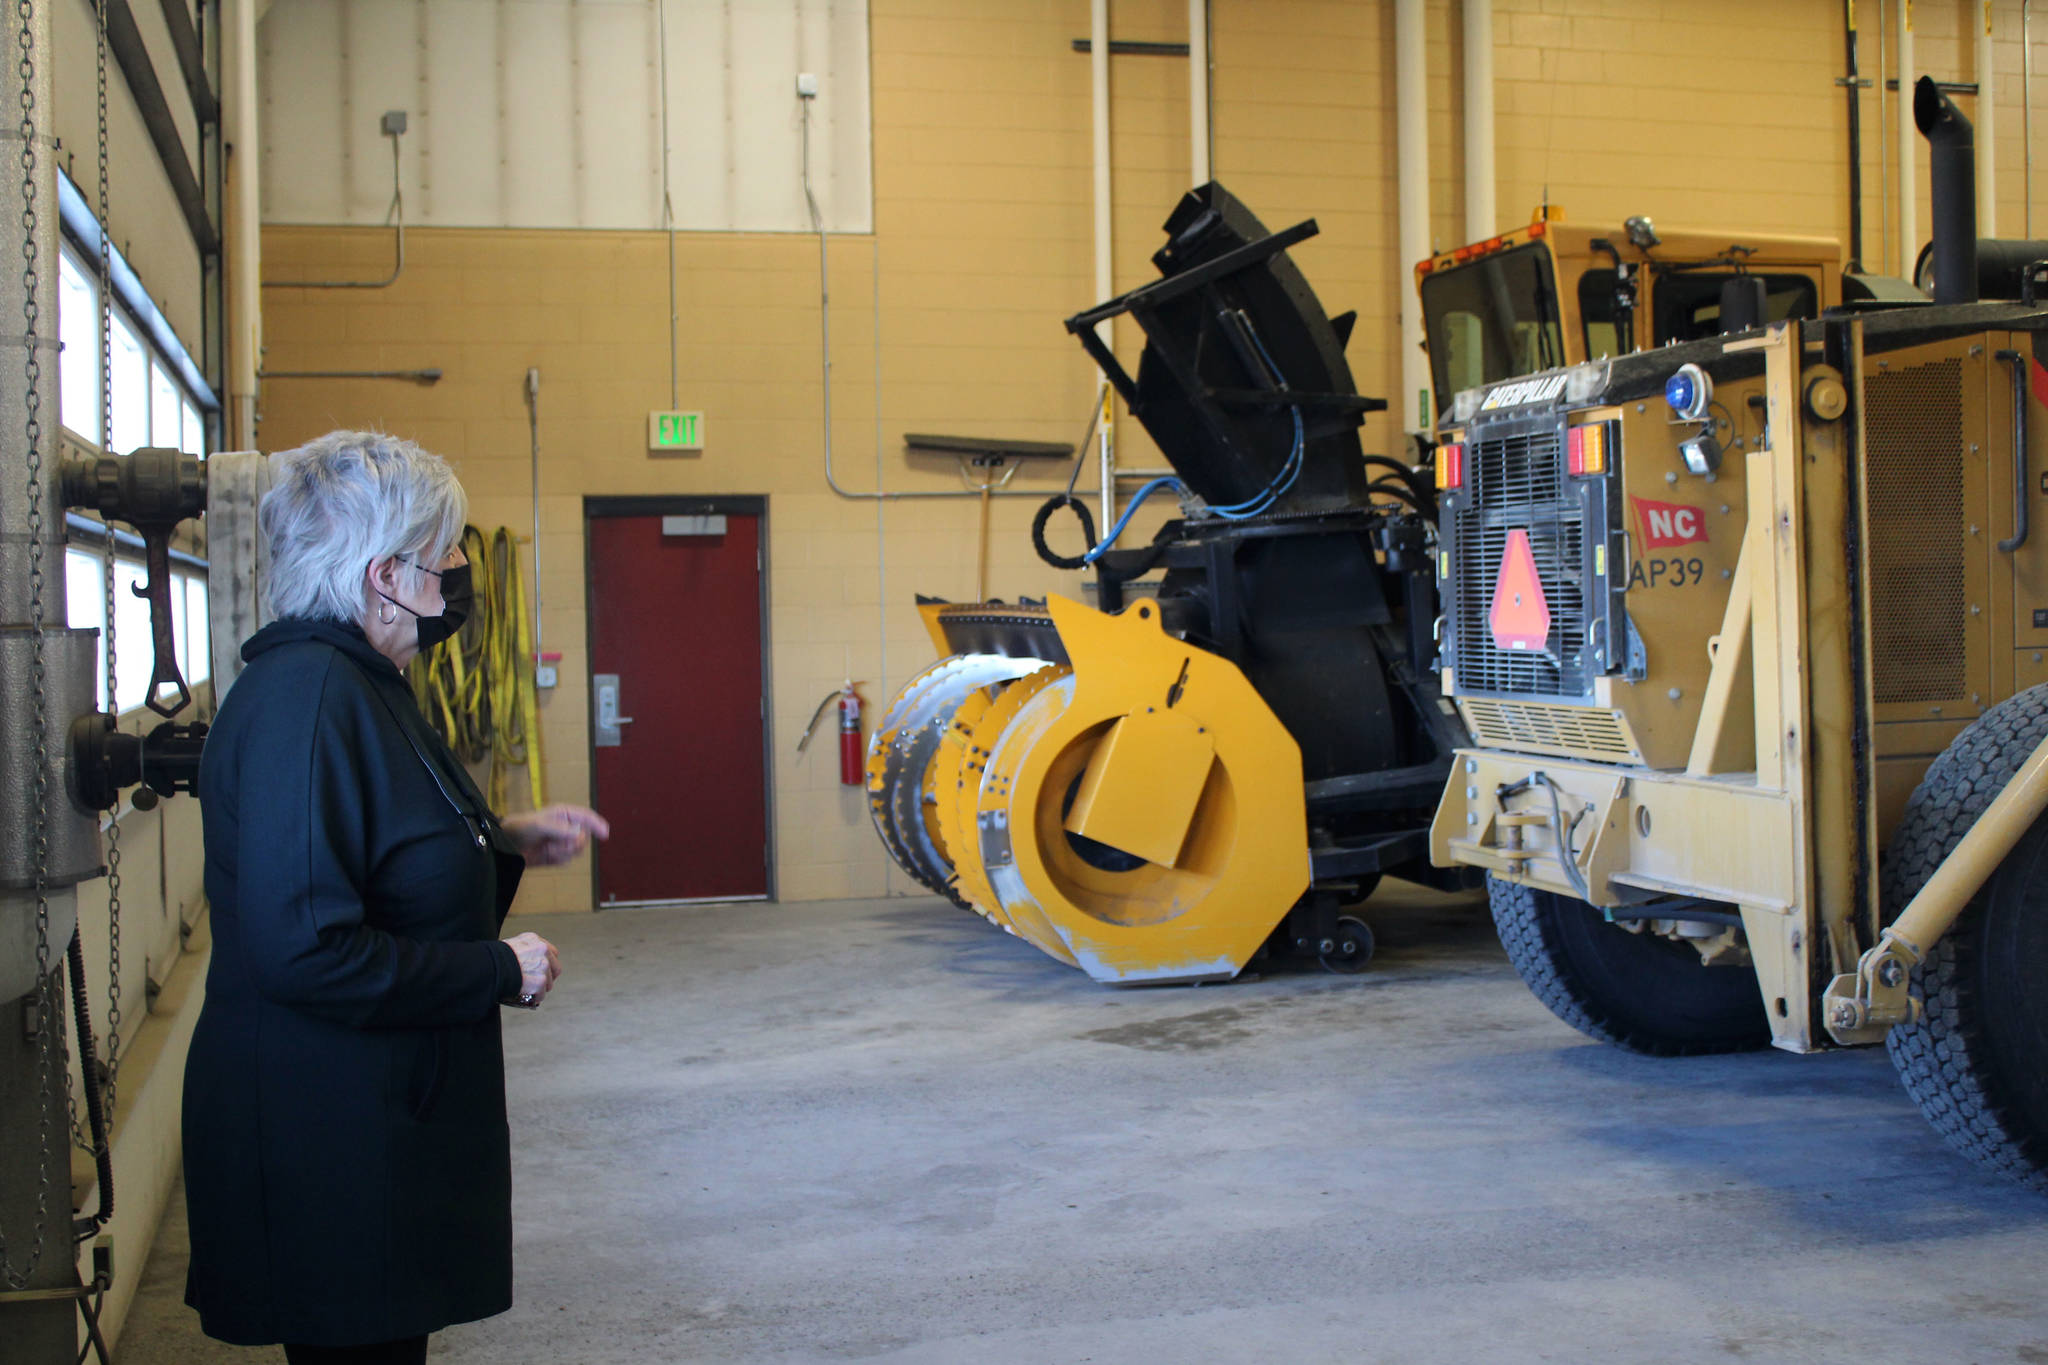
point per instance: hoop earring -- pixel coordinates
(387, 613)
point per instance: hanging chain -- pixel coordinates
(95, 1070)
(113, 1044)
(47, 1013)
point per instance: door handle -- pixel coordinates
(606, 686)
(2019, 362)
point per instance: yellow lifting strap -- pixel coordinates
(478, 691)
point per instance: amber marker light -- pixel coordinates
(1586, 450)
(1450, 465)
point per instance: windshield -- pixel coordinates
(1603, 320)
(1688, 305)
(1491, 319)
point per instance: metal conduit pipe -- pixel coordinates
(1198, 91)
(1481, 216)
(394, 128)
(1411, 131)
(427, 376)
(668, 206)
(1884, 154)
(2027, 111)
(825, 352)
(245, 223)
(1098, 99)
(532, 391)
(1987, 145)
(1853, 82)
(1908, 141)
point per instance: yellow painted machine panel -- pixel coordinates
(1142, 785)
(1684, 536)
(1934, 528)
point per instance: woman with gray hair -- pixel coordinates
(347, 1159)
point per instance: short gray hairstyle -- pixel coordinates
(338, 504)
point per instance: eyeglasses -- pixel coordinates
(408, 559)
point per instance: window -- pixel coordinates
(78, 364)
(86, 603)
(198, 657)
(151, 404)
(135, 656)
(1605, 322)
(131, 388)
(178, 615)
(1491, 319)
(1687, 306)
(166, 409)
(134, 659)
(151, 407)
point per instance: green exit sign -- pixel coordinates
(675, 431)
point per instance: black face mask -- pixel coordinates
(457, 596)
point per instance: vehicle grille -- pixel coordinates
(1578, 731)
(1517, 481)
(1518, 471)
(1917, 533)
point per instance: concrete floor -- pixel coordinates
(881, 1130)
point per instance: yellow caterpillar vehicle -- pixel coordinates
(1161, 789)
(1727, 618)
(1553, 293)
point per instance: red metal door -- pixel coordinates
(676, 619)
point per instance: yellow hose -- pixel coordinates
(515, 699)
(478, 691)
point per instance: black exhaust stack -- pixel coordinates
(1952, 151)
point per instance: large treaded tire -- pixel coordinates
(1641, 992)
(1977, 1060)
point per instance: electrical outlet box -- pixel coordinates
(393, 123)
(544, 675)
(806, 85)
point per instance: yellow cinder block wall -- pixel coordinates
(947, 317)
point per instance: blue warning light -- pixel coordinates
(1689, 392)
(1679, 392)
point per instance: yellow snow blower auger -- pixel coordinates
(1226, 764)
(1134, 809)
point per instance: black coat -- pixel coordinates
(347, 1162)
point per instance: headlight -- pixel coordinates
(1702, 453)
(1465, 405)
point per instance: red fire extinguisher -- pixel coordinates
(852, 758)
(852, 751)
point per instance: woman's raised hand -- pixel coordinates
(555, 834)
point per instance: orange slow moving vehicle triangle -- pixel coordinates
(1520, 615)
